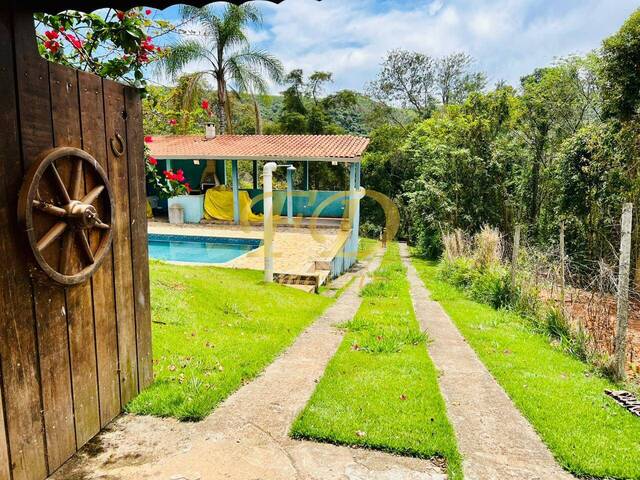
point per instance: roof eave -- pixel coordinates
(259, 159)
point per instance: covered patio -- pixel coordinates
(324, 242)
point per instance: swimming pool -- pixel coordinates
(196, 249)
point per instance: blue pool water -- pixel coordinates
(184, 248)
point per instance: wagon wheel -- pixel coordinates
(66, 207)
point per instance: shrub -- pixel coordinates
(556, 325)
(492, 286)
(459, 272)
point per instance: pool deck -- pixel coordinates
(297, 250)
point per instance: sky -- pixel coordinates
(507, 38)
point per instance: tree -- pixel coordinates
(454, 79)
(594, 185)
(222, 45)
(111, 43)
(621, 71)
(621, 92)
(303, 108)
(407, 80)
(419, 82)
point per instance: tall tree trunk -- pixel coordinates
(221, 106)
(227, 111)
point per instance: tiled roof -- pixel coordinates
(259, 147)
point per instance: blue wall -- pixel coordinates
(305, 203)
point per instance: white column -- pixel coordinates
(267, 180)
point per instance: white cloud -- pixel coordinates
(435, 7)
(508, 38)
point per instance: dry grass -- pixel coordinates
(455, 245)
(488, 247)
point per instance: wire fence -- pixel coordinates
(583, 287)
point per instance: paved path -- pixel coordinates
(246, 437)
(495, 440)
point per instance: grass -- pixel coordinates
(215, 329)
(380, 390)
(367, 247)
(562, 397)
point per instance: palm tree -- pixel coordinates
(222, 45)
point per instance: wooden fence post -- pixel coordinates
(514, 257)
(623, 292)
(562, 265)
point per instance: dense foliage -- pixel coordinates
(112, 43)
(562, 147)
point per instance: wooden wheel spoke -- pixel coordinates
(60, 184)
(49, 208)
(52, 235)
(86, 248)
(65, 257)
(76, 181)
(102, 226)
(95, 192)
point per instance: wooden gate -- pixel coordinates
(70, 357)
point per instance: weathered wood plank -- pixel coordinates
(93, 135)
(122, 266)
(139, 247)
(18, 347)
(67, 132)
(50, 303)
(9, 153)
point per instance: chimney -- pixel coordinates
(209, 130)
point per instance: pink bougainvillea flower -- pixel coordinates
(148, 11)
(148, 139)
(153, 161)
(205, 104)
(51, 34)
(73, 40)
(173, 122)
(188, 187)
(52, 46)
(148, 45)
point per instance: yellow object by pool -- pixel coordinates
(218, 205)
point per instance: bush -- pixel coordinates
(459, 272)
(492, 286)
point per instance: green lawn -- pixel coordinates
(380, 390)
(213, 330)
(562, 397)
(367, 247)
